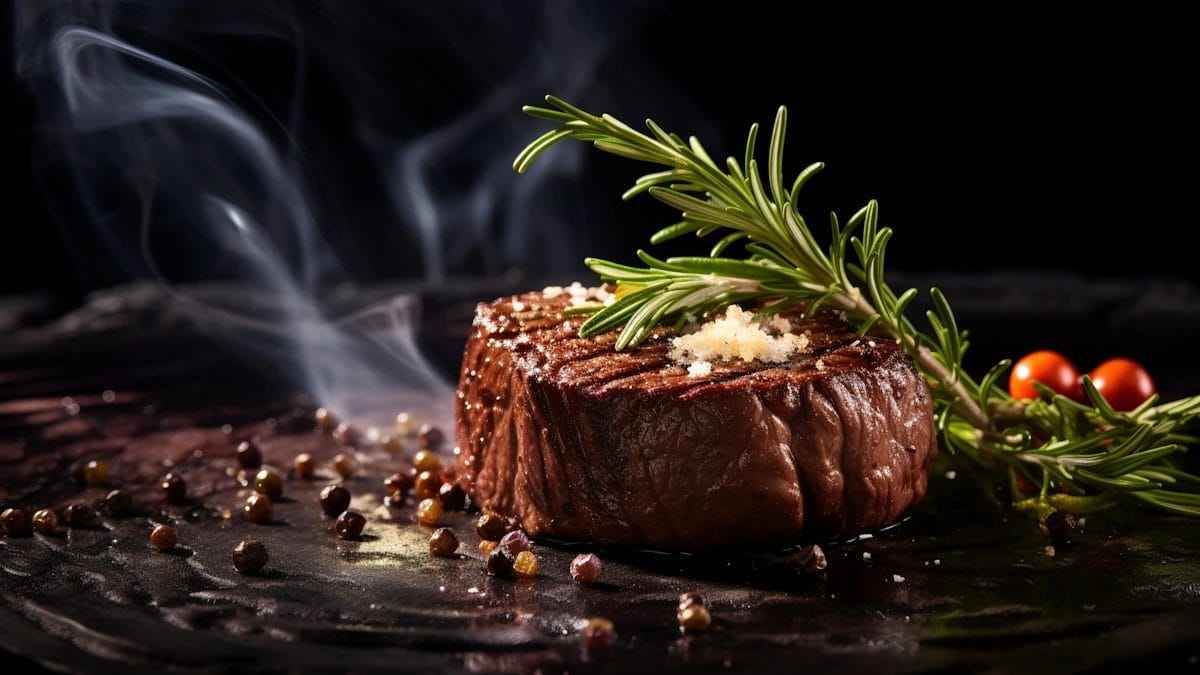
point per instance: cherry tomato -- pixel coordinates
(1048, 367)
(1124, 383)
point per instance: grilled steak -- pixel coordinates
(578, 441)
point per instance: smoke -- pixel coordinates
(258, 165)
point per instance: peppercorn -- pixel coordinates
(95, 474)
(304, 466)
(45, 522)
(443, 542)
(430, 437)
(390, 444)
(249, 556)
(452, 497)
(14, 522)
(525, 565)
(174, 488)
(426, 485)
(429, 511)
(425, 460)
(585, 568)
(598, 633)
(399, 482)
(491, 527)
(118, 503)
(269, 483)
(690, 599)
(325, 420)
(334, 499)
(486, 546)
(694, 619)
(349, 525)
(344, 465)
(515, 542)
(163, 537)
(1061, 526)
(500, 563)
(249, 455)
(812, 558)
(404, 424)
(396, 499)
(345, 434)
(258, 508)
(76, 515)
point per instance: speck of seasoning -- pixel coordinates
(390, 444)
(486, 546)
(525, 565)
(427, 460)
(344, 465)
(598, 633)
(95, 474)
(812, 558)
(174, 489)
(514, 542)
(14, 522)
(77, 514)
(429, 512)
(346, 434)
(249, 455)
(325, 420)
(452, 497)
(304, 466)
(334, 499)
(118, 503)
(1061, 526)
(427, 485)
(694, 619)
(163, 537)
(500, 563)
(249, 556)
(269, 483)
(491, 527)
(45, 522)
(349, 525)
(585, 568)
(258, 508)
(443, 542)
(430, 437)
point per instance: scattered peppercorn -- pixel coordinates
(258, 508)
(525, 565)
(426, 460)
(304, 466)
(500, 563)
(452, 497)
(45, 522)
(443, 542)
(585, 568)
(390, 444)
(399, 482)
(249, 556)
(690, 599)
(430, 437)
(598, 633)
(694, 619)
(334, 499)
(813, 559)
(77, 514)
(514, 542)
(95, 474)
(491, 527)
(429, 512)
(344, 465)
(249, 455)
(1061, 526)
(349, 525)
(163, 537)
(396, 499)
(325, 420)
(427, 485)
(174, 488)
(118, 503)
(486, 546)
(14, 522)
(269, 483)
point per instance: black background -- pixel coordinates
(1004, 140)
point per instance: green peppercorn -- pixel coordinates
(269, 483)
(249, 556)
(163, 537)
(45, 522)
(249, 455)
(258, 508)
(334, 499)
(349, 525)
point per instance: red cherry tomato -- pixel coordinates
(1124, 383)
(1048, 367)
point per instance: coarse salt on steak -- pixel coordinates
(578, 441)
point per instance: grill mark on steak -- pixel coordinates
(625, 448)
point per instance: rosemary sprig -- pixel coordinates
(1080, 458)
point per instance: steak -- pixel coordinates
(577, 441)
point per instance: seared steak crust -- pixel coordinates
(578, 441)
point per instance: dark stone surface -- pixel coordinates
(963, 585)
